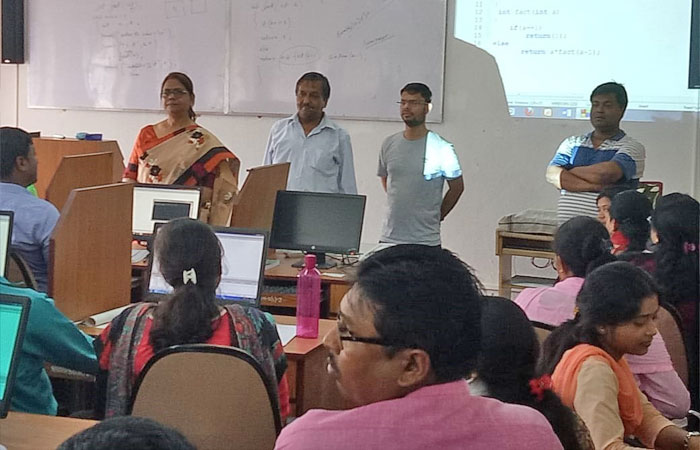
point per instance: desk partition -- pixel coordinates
(90, 251)
(79, 171)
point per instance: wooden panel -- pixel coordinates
(90, 251)
(49, 153)
(79, 171)
(255, 203)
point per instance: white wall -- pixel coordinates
(503, 158)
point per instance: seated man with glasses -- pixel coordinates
(408, 334)
(413, 167)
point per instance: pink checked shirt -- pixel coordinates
(443, 416)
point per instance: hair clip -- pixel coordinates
(689, 247)
(539, 385)
(189, 275)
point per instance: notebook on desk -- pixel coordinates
(14, 313)
(242, 267)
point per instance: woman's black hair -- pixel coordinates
(583, 244)
(507, 361)
(187, 83)
(611, 295)
(631, 210)
(675, 220)
(186, 245)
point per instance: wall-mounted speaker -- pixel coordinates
(13, 31)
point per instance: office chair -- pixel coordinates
(217, 396)
(668, 322)
(542, 330)
(18, 271)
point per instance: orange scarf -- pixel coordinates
(565, 378)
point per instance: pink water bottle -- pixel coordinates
(308, 298)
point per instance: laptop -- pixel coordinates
(14, 312)
(242, 267)
(5, 238)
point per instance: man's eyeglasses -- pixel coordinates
(174, 92)
(410, 103)
(366, 340)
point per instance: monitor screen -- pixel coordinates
(5, 238)
(13, 318)
(242, 267)
(159, 203)
(317, 222)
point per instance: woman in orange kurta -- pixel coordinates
(177, 150)
(617, 307)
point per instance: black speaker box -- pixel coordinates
(13, 31)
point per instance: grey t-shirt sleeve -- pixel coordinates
(381, 167)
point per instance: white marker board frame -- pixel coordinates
(244, 56)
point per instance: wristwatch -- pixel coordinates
(688, 435)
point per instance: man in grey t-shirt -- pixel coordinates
(413, 166)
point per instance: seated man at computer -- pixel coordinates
(405, 378)
(34, 218)
(584, 165)
(49, 337)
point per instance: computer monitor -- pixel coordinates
(14, 312)
(5, 238)
(242, 267)
(157, 203)
(317, 223)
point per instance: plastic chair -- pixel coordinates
(652, 189)
(217, 396)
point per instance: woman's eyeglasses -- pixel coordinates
(174, 92)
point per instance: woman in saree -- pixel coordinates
(177, 150)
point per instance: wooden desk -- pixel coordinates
(310, 385)
(509, 244)
(337, 285)
(22, 431)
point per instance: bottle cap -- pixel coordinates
(309, 260)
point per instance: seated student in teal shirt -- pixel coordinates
(50, 336)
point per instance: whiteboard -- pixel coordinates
(244, 56)
(368, 49)
(112, 54)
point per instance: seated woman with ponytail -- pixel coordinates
(628, 225)
(506, 371)
(675, 230)
(581, 245)
(617, 306)
(189, 255)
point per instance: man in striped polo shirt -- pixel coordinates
(584, 165)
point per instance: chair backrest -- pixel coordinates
(217, 396)
(18, 271)
(652, 190)
(542, 330)
(668, 322)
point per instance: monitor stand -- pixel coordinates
(321, 263)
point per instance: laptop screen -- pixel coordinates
(242, 267)
(13, 320)
(155, 204)
(5, 238)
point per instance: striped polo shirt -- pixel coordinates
(578, 151)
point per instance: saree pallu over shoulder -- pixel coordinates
(193, 156)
